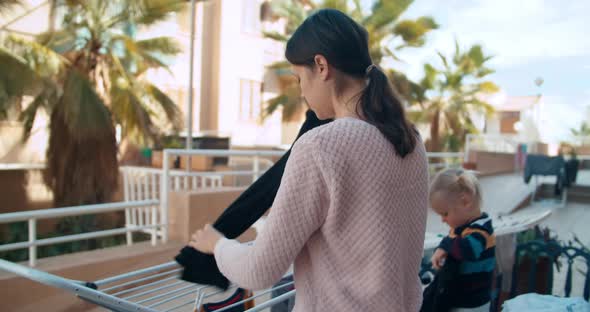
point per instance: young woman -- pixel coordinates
(351, 209)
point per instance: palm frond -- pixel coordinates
(274, 104)
(413, 31)
(163, 45)
(133, 114)
(293, 11)
(42, 60)
(143, 54)
(27, 116)
(275, 36)
(444, 60)
(487, 87)
(142, 12)
(290, 101)
(476, 55)
(457, 55)
(392, 54)
(341, 5)
(166, 104)
(148, 12)
(134, 105)
(16, 77)
(427, 22)
(487, 108)
(357, 11)
(385, 12)
(484, 71)
(60, 41)
(7, 103)
(429, 80)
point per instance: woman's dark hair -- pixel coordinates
(344, 43)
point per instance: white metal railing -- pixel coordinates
(158, 288)
(31, 218)
(504, 143)
(497, 143)
(180, 180)
(144, 183)
(439, 161)
(144, 191)
(20, 166)
(140, 183)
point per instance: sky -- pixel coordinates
(528, 39)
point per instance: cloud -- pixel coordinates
(515, 32)
(527, 38)
(560, 114)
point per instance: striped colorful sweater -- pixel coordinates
(474, 246)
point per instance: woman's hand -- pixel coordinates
(204, 240)
(438, 259)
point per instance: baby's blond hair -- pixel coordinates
(454, 182)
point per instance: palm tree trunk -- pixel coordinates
(80, 171)
(435, 132)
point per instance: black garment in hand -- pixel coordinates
(440, 295)
(239, 216)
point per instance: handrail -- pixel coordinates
(32, 216)
(72, 211)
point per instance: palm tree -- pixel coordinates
(382, 23)
(584, 130)
(582, 134)
(87, 75)
(448, 97)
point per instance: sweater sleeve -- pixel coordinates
(258, 198)
(468, 248)
(299, 209)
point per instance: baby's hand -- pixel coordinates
(438, 259)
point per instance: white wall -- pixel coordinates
(242, 57)
(176, 81)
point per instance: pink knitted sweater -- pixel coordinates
(351, 215)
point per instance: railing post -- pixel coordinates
(154, 214)
(467, 147)
(32, 241)
(256, 168)
(176, 183)
(127, 190)
(164, 188)
(154, 229)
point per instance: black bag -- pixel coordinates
(439, 296)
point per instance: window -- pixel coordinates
(250, 99)
(251, 16)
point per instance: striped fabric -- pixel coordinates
(474, 245)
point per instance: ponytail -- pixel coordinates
(381, 107)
